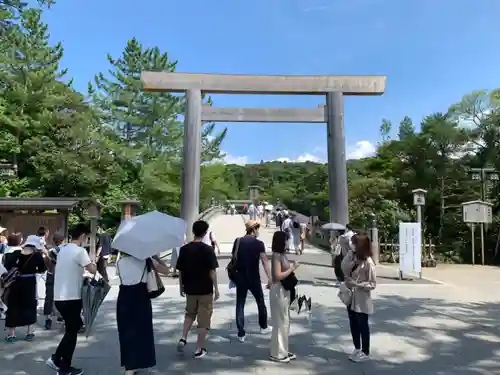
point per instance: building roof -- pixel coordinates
(38, 203)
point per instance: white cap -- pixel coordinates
(34, 241)
(2, 229)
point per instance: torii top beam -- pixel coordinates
(262, 84)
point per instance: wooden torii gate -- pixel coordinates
(333, 87)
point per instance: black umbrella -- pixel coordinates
(93, 293)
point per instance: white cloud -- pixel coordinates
(232, 159)
(362, 149)
(302, 159)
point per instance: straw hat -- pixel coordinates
(251, 224)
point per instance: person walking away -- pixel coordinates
(134, 313)
(197, 266)
(279, 218)
(22, 300)
(210, 240)
(303, 235)
(48, 305)
(296, 237)
(280, 300)
(103, 253)
(250, 252)
(267, 214)
(287, 227)
(72, 260)
(344, 243)
(260, 210)
(252, 212)
(361, 279)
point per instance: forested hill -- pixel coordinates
(436, 155)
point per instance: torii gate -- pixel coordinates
(333, 87)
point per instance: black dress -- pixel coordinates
(22, 302)
(134, 316)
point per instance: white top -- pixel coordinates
(287, 224)
(261, 208)
(206, 240)
(68, 280)
(130, 270)
(345, 241)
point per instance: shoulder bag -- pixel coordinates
(345, 294)
(154, 284)
(290, 282)
(232, 267)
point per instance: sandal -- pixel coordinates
(10, 339)
(29, 337)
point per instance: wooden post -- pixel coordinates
(94, 215)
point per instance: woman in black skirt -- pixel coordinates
(134, 314)
(21, 301)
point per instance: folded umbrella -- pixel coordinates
(93, 294)
(150, 234)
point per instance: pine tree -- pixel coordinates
(147, 124)
(48, 129)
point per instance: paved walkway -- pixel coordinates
(422, 329)
(419, 328)
(228, 227)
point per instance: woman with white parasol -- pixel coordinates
(139, 240)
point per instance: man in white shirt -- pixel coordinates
(252, 212)
(287, 227)
(210, 240)
(72, 260)
(260, 210)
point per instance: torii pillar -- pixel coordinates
(333, 87)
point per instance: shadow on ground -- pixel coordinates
(409, 336)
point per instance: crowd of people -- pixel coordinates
(23, 261)
(195, 265)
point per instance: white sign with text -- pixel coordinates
(410, 248)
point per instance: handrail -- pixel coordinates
(206, 215)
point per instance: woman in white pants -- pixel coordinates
(279, 299)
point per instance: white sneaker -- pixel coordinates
(265, 331)
(361, 357)
(50, 362)
(282, 360)
(355, 353)
(242, 338)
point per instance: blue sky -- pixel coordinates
(432, 51)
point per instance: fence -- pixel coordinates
(388, 246)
